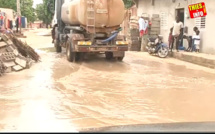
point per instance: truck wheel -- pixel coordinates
(109, 55)
(57, 46)
(81, 56)
(120, 58)
(69, 54)
(72, 56)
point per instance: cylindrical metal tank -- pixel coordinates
(108, 13)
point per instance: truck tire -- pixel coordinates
(57, 46)
(109, 55)
(72, 56)
(120, 58)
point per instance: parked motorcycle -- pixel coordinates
(156, 46)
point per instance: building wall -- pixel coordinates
(9, 16)
(9, 13)
(168, 7)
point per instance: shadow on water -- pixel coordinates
(147, 63)
(173, 69)
(49, 49)
(97, 62)
(182, 70)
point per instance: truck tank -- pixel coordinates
(108, 13)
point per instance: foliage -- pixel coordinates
(8, 4)
(26, 8)
(128, 3)
(43, 12)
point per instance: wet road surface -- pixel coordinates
(55, 95)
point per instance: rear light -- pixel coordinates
(84, 43)
(122, 42)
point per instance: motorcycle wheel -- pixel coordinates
(149, 51)
(163, 52)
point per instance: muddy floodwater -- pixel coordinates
(55, 95)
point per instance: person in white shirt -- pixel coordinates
(142, 26)
(195, 29)
(177, 31)
(196, 39)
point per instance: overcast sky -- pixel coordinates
(37, 2)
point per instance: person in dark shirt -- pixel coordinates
(171, 39)
(53, 32)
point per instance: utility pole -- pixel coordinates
(19, 14)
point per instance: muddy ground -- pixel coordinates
(55, 95)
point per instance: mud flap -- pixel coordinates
(118, 54)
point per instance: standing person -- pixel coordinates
(195, 29)
(17, 24)
(189, 40)
(1, 19)
(142, 26)
(177, 28)
(171, 39)
(53, 32)
(197, 41)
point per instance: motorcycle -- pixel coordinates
(156, 46)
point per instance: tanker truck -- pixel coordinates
(89, 26)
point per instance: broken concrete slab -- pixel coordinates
(3, 44)
(17, 68)
(3, 50)
(29, 63)
(15, 54)
(9, 64)
(4, 37)
(8, 70)
(21, 62)
(2, 68)
(14, 47)
(10, 49)
(8, 56)
(15, 51)
(9, 42)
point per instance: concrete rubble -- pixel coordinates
(15, 55)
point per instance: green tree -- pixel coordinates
(8, 4)
(26, 8)
(128, 3)
(43, 13)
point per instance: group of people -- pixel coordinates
(176, 36)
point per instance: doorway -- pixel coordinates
(181, 14)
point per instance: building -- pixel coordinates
(9, 17)
(37, 24)
(169, 9)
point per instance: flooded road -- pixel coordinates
(58, 96)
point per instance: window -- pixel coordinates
(200, 22)
(164, 20)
